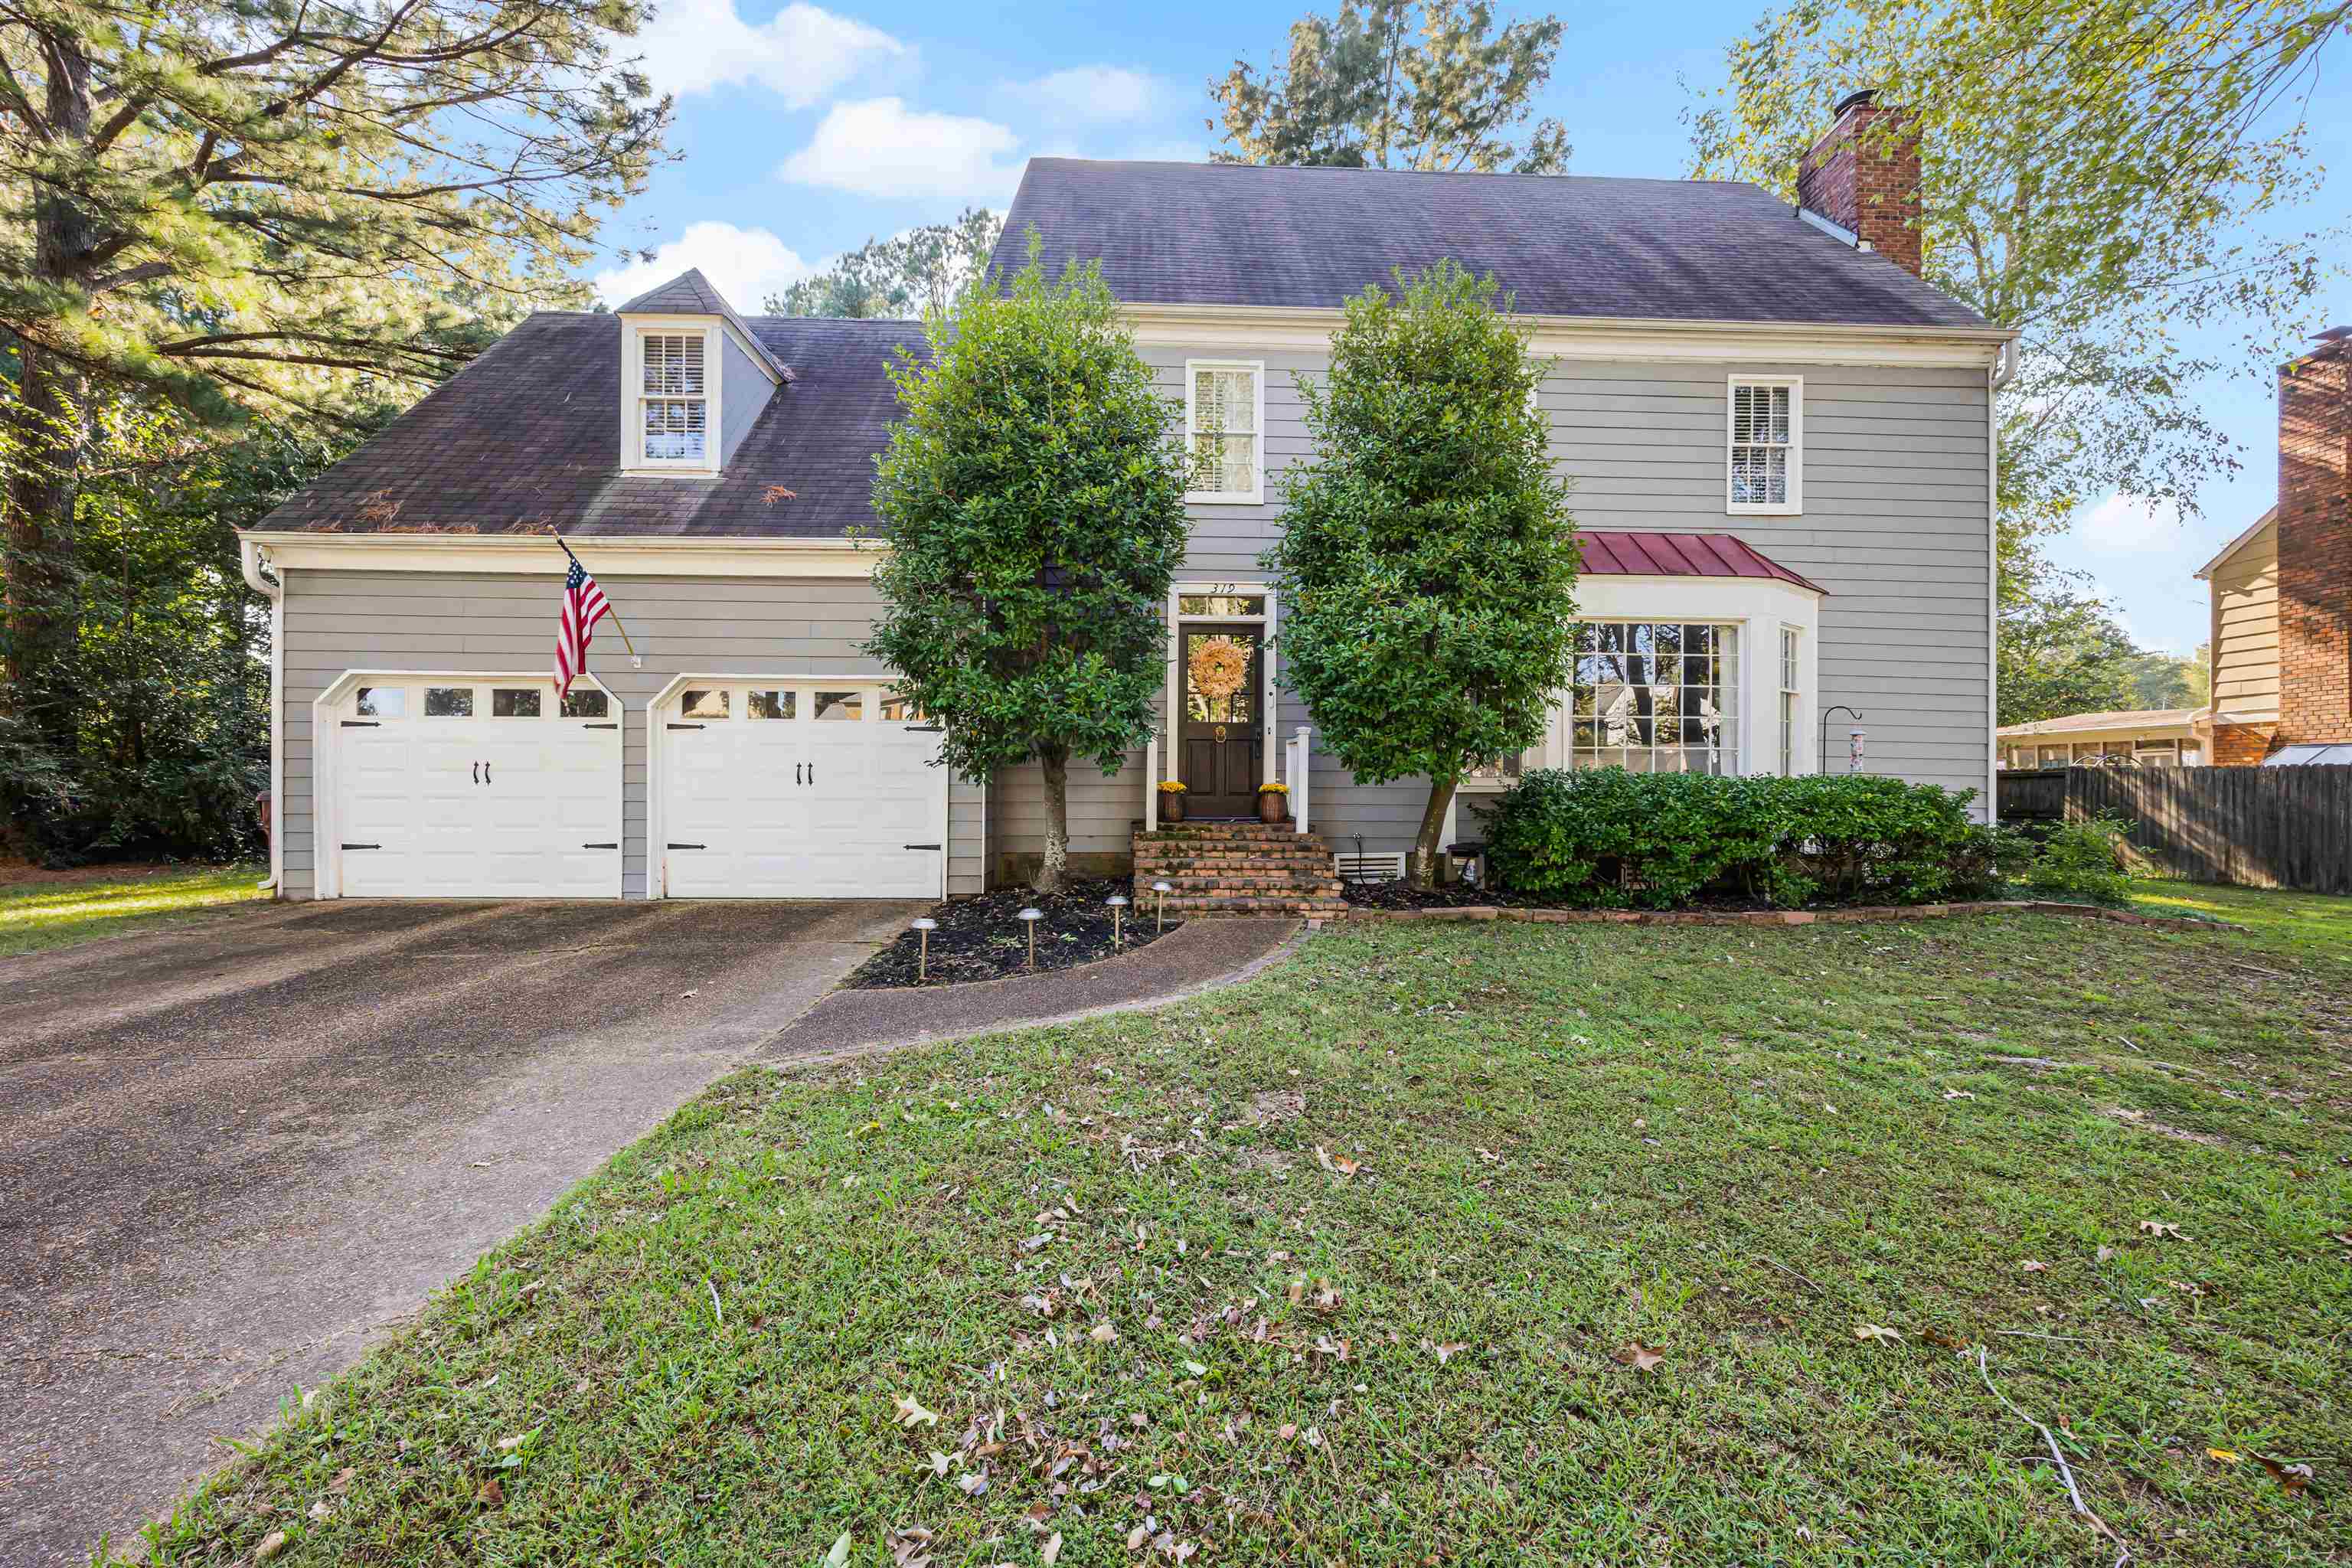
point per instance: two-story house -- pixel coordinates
(1780, 438)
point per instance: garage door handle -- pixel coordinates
(918, 847)
(477, 773)
(796, 772)
(363, 846)
(600, 847)
(485, 772)
(689, 847)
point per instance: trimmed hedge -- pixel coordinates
(1608, 837)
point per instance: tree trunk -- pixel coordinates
(1055, 866)
(46, 431)
(1421, 870)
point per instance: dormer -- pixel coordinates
(693, 379)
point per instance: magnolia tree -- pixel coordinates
(1428, 561)
(1035, 497)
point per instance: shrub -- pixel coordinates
(2082, 861)
(1655, 840)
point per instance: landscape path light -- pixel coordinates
(1117, 907)
(923, 953)
(1161, 923)
(1030, 917)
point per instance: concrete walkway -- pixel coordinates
(1203, 955)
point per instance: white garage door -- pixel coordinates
(453, 788)
(804, 790)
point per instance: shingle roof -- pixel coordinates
(691, 294)
(527, 438)
(2117, 718)
(1626, 553)
(1211, 233)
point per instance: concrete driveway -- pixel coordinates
(231, 1154)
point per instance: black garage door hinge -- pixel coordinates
(608, 724)
(600, 847)
(688, 847)
(924, 728)
(363, 846)
(918, 847)
(685, 726)
(362, 724)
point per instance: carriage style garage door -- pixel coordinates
(778, 788)
(455, 787)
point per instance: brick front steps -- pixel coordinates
(1784, 916)
(1238, 868)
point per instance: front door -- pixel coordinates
(1222, 740)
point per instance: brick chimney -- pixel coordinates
(1864, 176)
(2314, 543)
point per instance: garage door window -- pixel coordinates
(840, 706)
(769, 704)
(383, 702)
(514, 702)
(710, 704)
(449, 702)
(584, 702)
(897, 709)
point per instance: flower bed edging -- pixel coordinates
(1784, 916)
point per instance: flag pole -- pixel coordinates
(636, 658)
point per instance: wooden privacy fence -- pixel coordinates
(2256, 828)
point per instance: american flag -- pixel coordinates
(584, 607)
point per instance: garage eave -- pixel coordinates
(538, 555)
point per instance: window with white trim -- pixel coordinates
(1763, 465)
(1655, 696)
(1789, 706)
(1224, 420)
(674, 401)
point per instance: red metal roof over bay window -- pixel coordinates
(1614, 553)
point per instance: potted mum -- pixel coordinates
(1171, 800)
(1273, 801)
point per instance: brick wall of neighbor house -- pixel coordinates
(2315, 545)
(1863, 174)
(337, 621)
(2241, 745)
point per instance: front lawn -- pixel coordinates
(1438, 1244)
(42, 910)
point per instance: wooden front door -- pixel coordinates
(1222, 740)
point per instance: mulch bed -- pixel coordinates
(981, 939)
(1398, 895)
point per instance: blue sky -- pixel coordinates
(807, 130)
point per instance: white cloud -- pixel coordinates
(802, 53)
(746, 265)
(2125, 523)
(880, 147)
(1091, 95)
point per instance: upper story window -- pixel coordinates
(674, 399)
(1765, 465)
(1224, 426)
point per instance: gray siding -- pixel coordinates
(744, 391)
(337, 621)
(1896, 528)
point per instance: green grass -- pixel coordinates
(49, 911)
(1734, 1146)
(2316, 925)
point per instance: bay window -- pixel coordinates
(1655, 696)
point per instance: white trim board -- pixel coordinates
(537, 554)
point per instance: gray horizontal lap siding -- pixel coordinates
(337, 621)
(1894, 528)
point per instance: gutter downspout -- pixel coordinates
(249, 557)
(2003, 368)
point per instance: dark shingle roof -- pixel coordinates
(1232, 234)
(528, 438)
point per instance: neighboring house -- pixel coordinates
(1780, 439)
(2282, 612)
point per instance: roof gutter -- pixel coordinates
(252, 559)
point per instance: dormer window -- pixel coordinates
(674, 400)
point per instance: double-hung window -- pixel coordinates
(1225, 430)
(673, 399)
(1791, 708)
(1764, 465)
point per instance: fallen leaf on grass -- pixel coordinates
(1051, 1550)
(2160, 1228)
(2225, 1455)
(1448, 1351)
(320, 1512)
(1957, 1094)
(2033, 1265)
(1949, 1341)
(342, 1481)
(1103, 1333)
(912, 1414)
(972, 1485)
(1641, 1357)
(1877, 1331)
(839, 1554)
(492, 1494)
(2291, 1477)
(910, 1547)
(271, 1545)
(507, 1444)
(1336, 1164)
